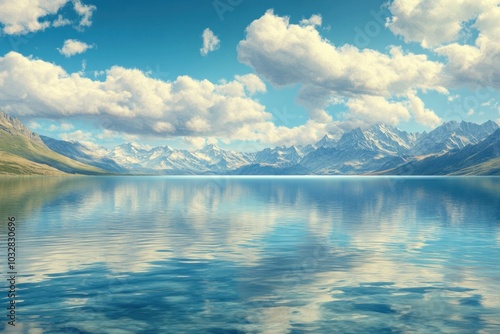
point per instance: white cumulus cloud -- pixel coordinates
(64, 126)
(477, 64)
(85, 12)
(314, 20)
(288, 54)
(423, 115)
(366, 110)
(210, 42)
(34, 125)
(252, 83)
(60, 22)
(22, 17)
(444, 26)
(434, 22)
(77, 135)
(26, 16)
(73, 47)
(129, 102)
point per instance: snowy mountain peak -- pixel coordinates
(352, 137)
(167, 148)
(385, 139)
(453, 135)
(130, 147)
(326, 141)
(450, 125)
(210, 148)
(490, 126)
(378, 149)
(382, 127)
(279, 156)
(128, 154)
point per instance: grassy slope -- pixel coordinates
(17, 150)
(491, 167)
(11, 164)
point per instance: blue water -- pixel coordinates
(254, 255)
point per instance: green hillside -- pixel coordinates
(11, 164)
(23, 152)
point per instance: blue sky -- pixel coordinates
(278, 72)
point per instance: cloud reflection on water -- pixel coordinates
(260, 254)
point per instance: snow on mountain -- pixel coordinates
(378, 148)
(482, 158)
(452, 135)
(167, 158)
(326, 141)
(381, 138)
(340, 161)
(95, 151)
(305, 150)
(389, 139)
(218, 159)
(128, 155)
(209, 159)
(279, 156)
(359, 151)
(163, 157)
(356, 150)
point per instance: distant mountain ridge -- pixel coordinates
(377, 150)
(81, 153)
(482, 158)
(452, 148)
(453, 135)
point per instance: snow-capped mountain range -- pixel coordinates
(378, 149)
(453, 135)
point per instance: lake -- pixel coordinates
(253, 254)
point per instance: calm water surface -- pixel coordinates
(253, 255)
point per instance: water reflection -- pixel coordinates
(256, 255)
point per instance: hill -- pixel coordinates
(23, 152)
